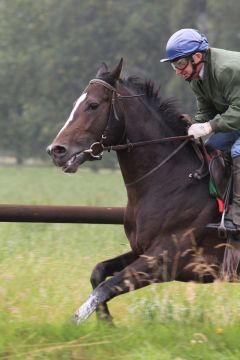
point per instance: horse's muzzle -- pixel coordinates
(62, 158)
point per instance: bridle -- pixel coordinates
(198, 174)
(115, 95)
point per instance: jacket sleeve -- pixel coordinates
(229, 84)
(205, 110)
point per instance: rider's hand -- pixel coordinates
(199, 130)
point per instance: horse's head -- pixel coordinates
(82, 136)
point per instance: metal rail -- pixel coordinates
(61, 214)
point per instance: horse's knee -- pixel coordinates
(98, 274)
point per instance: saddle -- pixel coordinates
(218, 165)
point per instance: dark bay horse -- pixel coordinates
(167, 210)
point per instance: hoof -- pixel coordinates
(85, 310)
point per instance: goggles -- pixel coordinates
(180, 64)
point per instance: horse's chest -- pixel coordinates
(143, 219)
(139, 232)
(132, 235)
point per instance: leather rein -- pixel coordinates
(198, 174)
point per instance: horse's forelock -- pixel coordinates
(108, 78)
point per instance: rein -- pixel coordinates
(198, 174)
(159, 165)
(129, 146)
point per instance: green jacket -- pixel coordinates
(218, 93)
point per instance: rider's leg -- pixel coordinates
(223, 141)
(235, 209)
(230, 142)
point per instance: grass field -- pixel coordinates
(44, 277)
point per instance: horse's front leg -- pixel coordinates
(105, 269)
(142, 272)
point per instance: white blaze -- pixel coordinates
(71, 116)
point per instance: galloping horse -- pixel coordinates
(167, 210)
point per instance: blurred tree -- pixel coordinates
(21, 25)
(50, 49)
(221, 23)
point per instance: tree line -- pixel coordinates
(50, 49)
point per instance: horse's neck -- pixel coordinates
(151, 162)
(142, 124)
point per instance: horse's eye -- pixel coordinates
(92, 106)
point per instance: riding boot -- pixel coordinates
(235, 207)
(232, 218)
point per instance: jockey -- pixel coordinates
(214, 77)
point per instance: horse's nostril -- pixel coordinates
(58, 150)
(49, 149)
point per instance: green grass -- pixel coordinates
(44, 277)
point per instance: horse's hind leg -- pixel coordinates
(105, 269)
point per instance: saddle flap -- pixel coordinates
(220, 174)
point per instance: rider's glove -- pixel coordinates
(199, 130)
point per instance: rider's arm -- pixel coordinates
(205, 110)
(229, 83)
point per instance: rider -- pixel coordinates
(214, 77)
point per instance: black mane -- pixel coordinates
(168, 108)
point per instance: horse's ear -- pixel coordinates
(103, 69)
(117, 71)
(186, 118)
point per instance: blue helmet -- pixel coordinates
(185, 42)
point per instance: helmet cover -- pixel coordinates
(185, 42)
